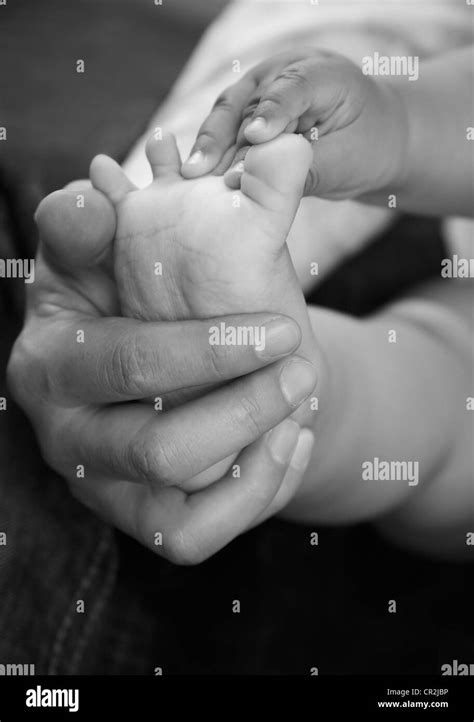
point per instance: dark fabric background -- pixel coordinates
(302, 606)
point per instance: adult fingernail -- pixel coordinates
(282, 441)
(257, 125)
(302, 453)
(279, 337)
(195, 158)
(297, 380)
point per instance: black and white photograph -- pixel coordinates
(237, 354)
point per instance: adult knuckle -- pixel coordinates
(154, 461)
(224, 103)
(217, 358)
(249, 415)
(207, 136)
(271, 102)
(125, 370)
(296, 75)
(144, 462)
(166, 462)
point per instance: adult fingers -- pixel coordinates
(294, 476)
(95, 361)
(218, 132)
(282, 103)
(186, 529)
(136, 443)
(313, 90)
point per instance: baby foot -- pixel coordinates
(78, 222)
(195, 248)
(77, 226)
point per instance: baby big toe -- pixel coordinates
(76, 225)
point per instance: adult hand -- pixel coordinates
(359, 125)
(80, 372)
